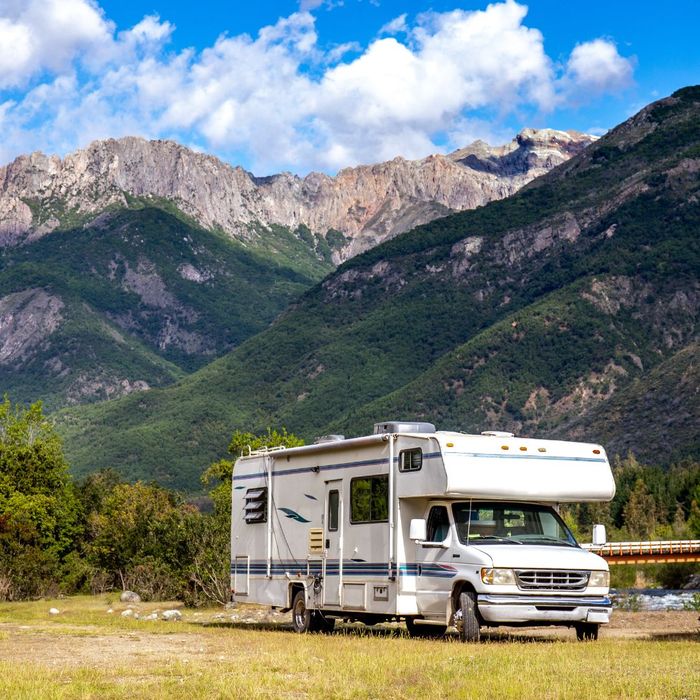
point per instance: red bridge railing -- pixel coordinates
(658, 552)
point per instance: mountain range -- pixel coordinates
(129, 264)
(568, 309)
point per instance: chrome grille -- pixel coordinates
(541, 579)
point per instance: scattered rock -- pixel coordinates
(152, 616)
(692, 583)
(110, 611)
(171, 615)
(130, 597)
(128, 613)
(54, 611)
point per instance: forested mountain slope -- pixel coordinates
(548, 312)
(137, 298)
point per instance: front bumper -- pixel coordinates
(543, 609)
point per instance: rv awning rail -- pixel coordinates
(320, 447)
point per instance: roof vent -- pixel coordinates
(328, 438)
(497, 433)
(403, 427)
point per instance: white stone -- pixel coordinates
(130, 597)
(171, 615)
(54, 611)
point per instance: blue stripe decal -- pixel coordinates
(328, 467)
(519, 456)
(431, 455)
(350, 568)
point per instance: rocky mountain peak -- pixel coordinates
(366, 204)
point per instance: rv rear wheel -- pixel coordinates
(301, 615)
(468, 625)
(587, 631)
(417, 630)
(305, 620)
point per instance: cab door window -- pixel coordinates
(438, 525)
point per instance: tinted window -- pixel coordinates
(438, 525)
(333, 508)
(369, 499)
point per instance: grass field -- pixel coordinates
(85, 652)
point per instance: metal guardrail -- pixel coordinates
(652, 552)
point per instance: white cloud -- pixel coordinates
(397, 25)
(596, 66)
(42, 35)
(278, 100)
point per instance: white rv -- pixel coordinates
(436, 528)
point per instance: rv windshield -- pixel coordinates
(482, 522)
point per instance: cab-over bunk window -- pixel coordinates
(369, 499)
(410, 460)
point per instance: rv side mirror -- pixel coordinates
(418, 531)
(600, 537)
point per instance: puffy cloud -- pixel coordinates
(278, 100)
(43, 35)
(596, 66)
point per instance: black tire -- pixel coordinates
(587, 631)
(416, 629)
(469, 624)
(301, 615)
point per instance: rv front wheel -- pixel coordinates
(587, 631)
(468, 625)
(301, 615)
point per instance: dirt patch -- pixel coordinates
(206, 637)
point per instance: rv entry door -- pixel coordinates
(333, 543)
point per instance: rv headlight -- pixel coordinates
(498, 577)
(599, 579)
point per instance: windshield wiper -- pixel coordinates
(552, 539)
(473, 540)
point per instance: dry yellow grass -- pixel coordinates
(85, 653)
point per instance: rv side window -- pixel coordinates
(410, 460)
(333, 506)
(369, 499)
(255, 507)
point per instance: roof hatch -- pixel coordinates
(403, 427)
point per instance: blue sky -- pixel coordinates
(323, 84)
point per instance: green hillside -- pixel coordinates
(529, 314)
(139, 295)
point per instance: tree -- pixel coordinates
(640, 512)
(38, 508)
(140, 536)
(694, 516)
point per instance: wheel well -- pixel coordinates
(293, 591)
(457, 591)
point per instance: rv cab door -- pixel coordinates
(434, 563)
(333, 543)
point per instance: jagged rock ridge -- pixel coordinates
(367, 204)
